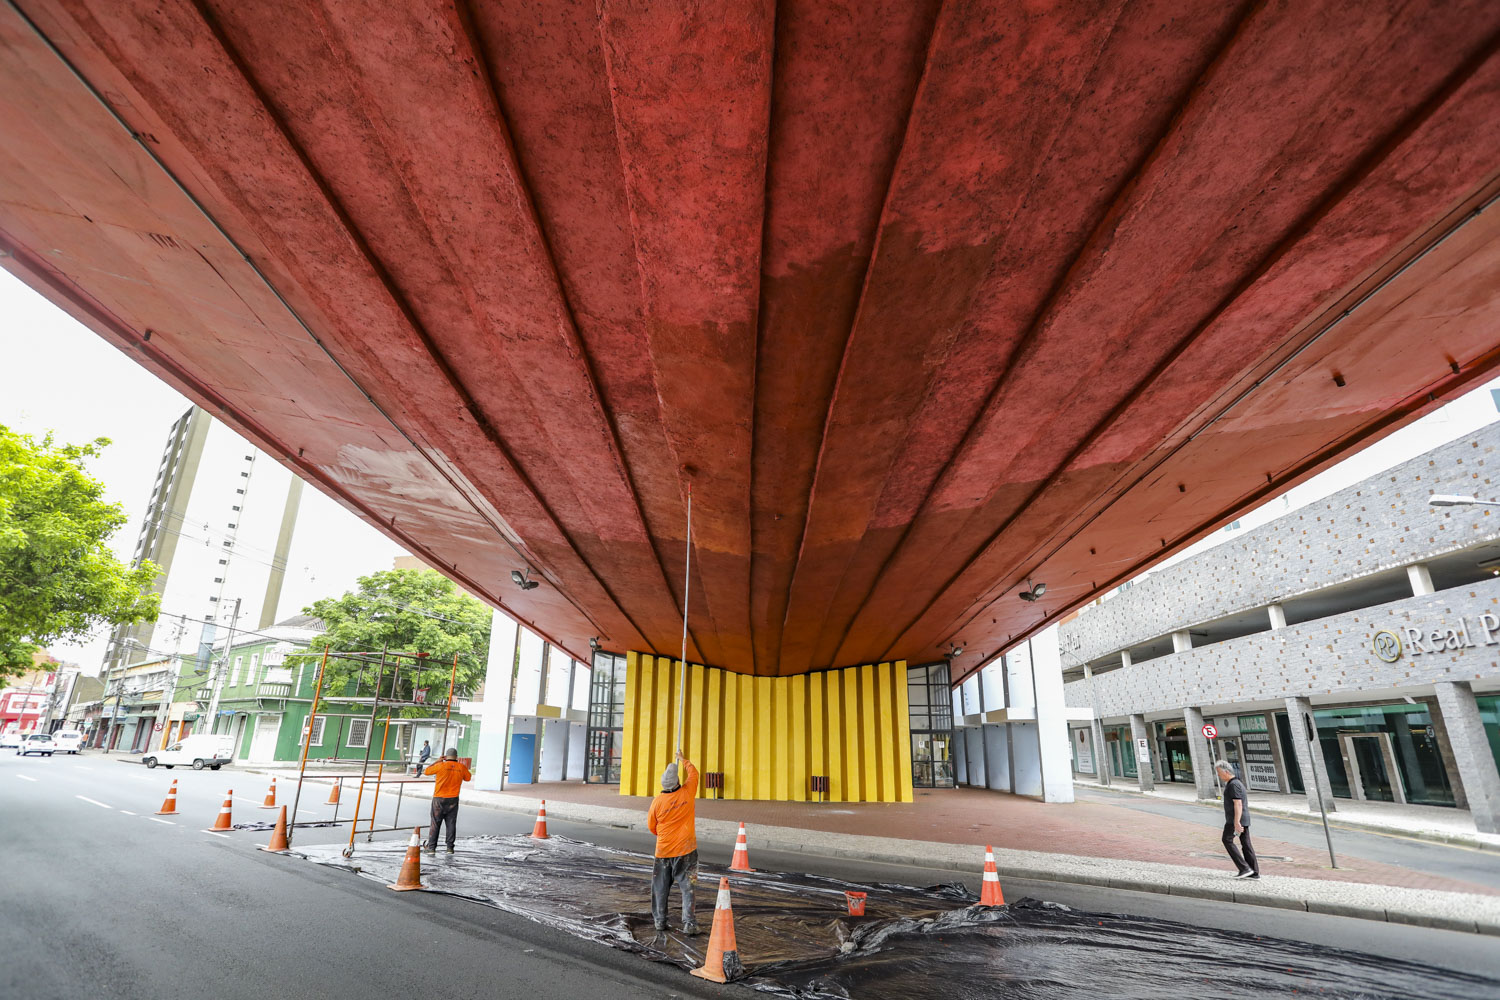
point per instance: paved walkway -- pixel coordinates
(1091, 842)
(1436, 823)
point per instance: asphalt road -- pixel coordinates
(1450, 861)
(103, 899)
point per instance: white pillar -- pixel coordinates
(489, 764)
(1101, 751)
(1056, 755)
(1182, 641)
(1277, 614)
(1420, 578)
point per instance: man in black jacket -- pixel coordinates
(1237, 822)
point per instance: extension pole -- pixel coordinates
(687, 579)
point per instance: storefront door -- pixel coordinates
(263, 743)
(1179, 761)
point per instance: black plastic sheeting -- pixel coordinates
(797, 940)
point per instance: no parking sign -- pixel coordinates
(1209, 732)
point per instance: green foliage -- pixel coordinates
(58, 578)
(404, 611)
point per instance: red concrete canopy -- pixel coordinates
(936, 298)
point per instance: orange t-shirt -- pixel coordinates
(671, 816)
(450, 775)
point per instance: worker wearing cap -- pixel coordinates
(450, 774)
(671, 818)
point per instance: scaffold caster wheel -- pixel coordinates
(347, 852)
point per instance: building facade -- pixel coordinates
(1354, 642)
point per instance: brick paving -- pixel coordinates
(976, 816)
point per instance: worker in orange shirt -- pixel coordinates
(671, 819)
(450, 774)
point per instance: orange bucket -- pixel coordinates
(856, 901)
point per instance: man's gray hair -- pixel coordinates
(1223, 765)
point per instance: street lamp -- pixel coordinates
(1453, 500)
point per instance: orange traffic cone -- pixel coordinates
(169, 804)
(539, 832)
(721, 963)
(333, 794)
(270, 802)
(223, 822)
(278, 842)
(990, 894)
(741, 860)
(411, 868)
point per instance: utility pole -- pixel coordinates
(114, 717)
(218, 670)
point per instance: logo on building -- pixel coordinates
(1387, 646)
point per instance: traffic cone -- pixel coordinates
(270, 802)
(721, 963)
(333, 794)
(539, 832)
(741, 860)
(223, 822)
(278, 842)
(990, 894)
(411, 868)
(169, 804)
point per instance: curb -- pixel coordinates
(1431, 836)
(1225, 895)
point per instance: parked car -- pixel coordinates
(68, 741)
(200, 750)
(11, 740)
(38, 743)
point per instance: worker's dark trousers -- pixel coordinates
(1248, 860)
(443, 811)
(684, 871)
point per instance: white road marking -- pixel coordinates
(166, 821)
(93, 801)
(224, 835)
(127, 812)
(25, 777)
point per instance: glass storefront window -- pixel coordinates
(605, 741)
(1489, 714)
(1370, 735)
(930, 703)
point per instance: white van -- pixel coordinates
(68, 741)
(200, 750)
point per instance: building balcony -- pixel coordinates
(273, 691)
(277, 675)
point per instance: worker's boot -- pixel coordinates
(691, 930)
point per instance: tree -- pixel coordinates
(404, 611)
(58, 578)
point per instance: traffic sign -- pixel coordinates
(156, 726)
(1209, 731)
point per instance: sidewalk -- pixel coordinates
(1093, 843)
(1435, 823)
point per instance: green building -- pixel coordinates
(266, 694)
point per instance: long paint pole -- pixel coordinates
(687, 579)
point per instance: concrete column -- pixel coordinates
(489, 762)
(997, 771)
(1125, 660)
(973, 740)
(1101, 752)
(1420, 578)
(1203, 765)
(1182, 641)
(960, 756)
(1140, 731)
(1312, 765)
(1471, 752)
(1055, 756)
(1277, 614)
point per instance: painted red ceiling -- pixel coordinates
(935, 297)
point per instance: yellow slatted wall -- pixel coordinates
(770, 735)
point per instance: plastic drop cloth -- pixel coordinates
(796, 939)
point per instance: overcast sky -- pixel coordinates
(64, 378)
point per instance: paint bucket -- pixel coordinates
(856, 901)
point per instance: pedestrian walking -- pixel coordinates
(423, 757)
(450, 774)
(1237, 822)
(672, 819)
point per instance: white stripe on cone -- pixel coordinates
(722, 903)
(990, 876)
(414, 842)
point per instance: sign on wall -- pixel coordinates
(1255, 747)
(1084, 752)
(1143, 751)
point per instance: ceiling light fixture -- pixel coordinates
(523, 580)
(594, 643)
(1036, 590)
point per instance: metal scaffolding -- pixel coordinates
(384, 665)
